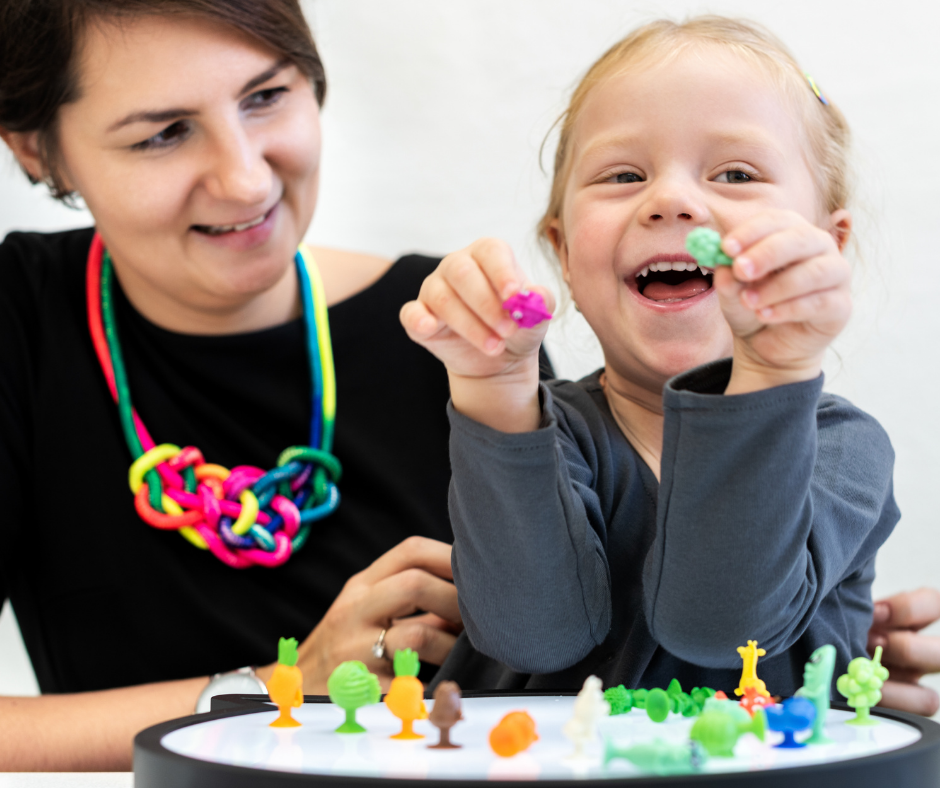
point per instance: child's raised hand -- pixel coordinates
(786, 297)
(459, 316)
(491, 362)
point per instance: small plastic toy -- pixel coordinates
(513, 733)
(718, 729)
(351, 686)
(527, 309)
(286, 685)
(705, 246)
(817, 684)
(752, 699)
(659, 757)
(446, 713)
(796, 714)
(657, 705)
(405, 696)
(589, 707)
(862, 686)
(749, 654)
(619, 698)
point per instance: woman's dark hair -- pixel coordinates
(40, 42)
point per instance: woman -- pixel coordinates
(190, 129)
(195, 144)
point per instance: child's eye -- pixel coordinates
(734, 176)
(265, 98)
(626, 177)
(172, 134)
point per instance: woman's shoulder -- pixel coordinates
(30, 260)
(349, 274)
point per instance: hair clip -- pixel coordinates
(816, 90)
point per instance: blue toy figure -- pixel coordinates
(796, 714)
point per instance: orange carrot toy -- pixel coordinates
(405, 698)
(286, 686)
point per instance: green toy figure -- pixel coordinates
(705, 246)
(352, 686)
(718, 728)
(862, 686)
(817, 684)
(619, 698)
(658, 756)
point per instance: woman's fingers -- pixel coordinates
(432, 644)
(414, 552)
(908, 650)
(911, 698)
(908, 610)
(408, 592)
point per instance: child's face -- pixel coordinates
(704, 140)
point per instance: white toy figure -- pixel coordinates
(589, 707)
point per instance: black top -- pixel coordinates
(103, 599)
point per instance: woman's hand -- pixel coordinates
(786, 297)
(459, 317)
(907, 653)
(412, 577)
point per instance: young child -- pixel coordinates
(644, 522)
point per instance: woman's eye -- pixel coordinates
(734, 176)
(265, 98)
(170, 135)
(626, 177)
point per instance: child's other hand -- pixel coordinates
(459, 316)
(786, 297)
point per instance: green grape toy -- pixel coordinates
(705, 246)
(862, 686)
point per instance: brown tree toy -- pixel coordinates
(446, 713)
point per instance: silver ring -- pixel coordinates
(378, 648)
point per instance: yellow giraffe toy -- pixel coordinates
(749, 679)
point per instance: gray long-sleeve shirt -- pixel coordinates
(571, 559)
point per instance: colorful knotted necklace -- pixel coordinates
(245, 516)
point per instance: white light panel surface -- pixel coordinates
(248, 740)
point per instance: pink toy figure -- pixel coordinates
(527, 309)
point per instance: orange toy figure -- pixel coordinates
(514, 733)
(286, 685)
(753, 699)
(749, 654)
(405, 698)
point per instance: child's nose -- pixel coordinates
(674, 202)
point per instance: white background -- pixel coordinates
(433, 122)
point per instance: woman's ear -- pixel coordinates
(556, 236)
(840, 227)
(25, 146)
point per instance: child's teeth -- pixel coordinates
(644, 272)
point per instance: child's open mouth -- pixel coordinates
(667, 282)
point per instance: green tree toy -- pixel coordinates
(351, 687)
(862, 686)
(619, 698)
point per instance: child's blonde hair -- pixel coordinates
(825, 128)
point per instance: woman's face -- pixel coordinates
(704, 140)
(197, 152)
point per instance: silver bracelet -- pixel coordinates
(243, 681)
